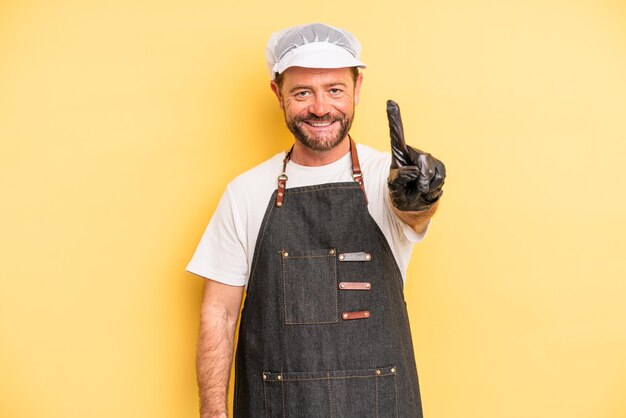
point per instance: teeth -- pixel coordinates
(319, 124)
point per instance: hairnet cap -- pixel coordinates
(312, 46)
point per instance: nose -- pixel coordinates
(319, 106)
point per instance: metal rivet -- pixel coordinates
(264, 376)
(344, 316)
(282, 186)
(332, 251)
(341, 257)
(367, 285)
(341, 285)
(285, 254)
(279, 377)
(368, 257)
(377, 371)
(366, 314)
(280, 194)
(393, 370)
(279, 204)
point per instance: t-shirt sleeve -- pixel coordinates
(407, 232)
(410, 233)
(221, 254)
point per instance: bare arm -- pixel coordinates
(218, 319)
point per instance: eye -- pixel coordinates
(334, 90)
(302, 94)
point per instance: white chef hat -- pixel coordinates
(315, 45)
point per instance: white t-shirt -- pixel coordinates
(225, 251)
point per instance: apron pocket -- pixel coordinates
(338, 394)
(309, 287)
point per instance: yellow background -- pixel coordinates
(121, 122)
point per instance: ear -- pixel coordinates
(276, 90)
(357, 88)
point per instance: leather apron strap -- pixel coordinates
(357, 174)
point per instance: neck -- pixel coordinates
(307, 157)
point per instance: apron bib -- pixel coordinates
(324, 330)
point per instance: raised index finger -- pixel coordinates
(399, 154)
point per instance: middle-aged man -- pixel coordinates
(320, 236)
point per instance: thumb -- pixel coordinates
(399, 154)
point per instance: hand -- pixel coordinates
(415, 177)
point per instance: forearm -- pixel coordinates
(214, 359)
(417, 220)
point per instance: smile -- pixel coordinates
(319, 124)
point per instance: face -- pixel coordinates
(318, 104)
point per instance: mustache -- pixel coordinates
(313, 118)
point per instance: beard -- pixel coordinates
(324, 141)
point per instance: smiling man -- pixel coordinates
(318, 105)
(320, 237)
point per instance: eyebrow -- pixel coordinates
(304, 86)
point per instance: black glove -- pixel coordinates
(416, 177)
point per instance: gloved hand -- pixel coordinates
(415, 177)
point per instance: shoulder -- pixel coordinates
(259, 178)
(372, 159)
(375, 165)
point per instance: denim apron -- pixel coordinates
(324, 329)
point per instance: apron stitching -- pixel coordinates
(282, 391)
(317, 190)
(311, 323)
(330, 396)
(323, 186)
(376, 385)
(336, 293)
(265, 400)
(282, 266)
(307, 379)
(311, 256)
(395, 386)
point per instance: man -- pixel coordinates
(320, 237)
